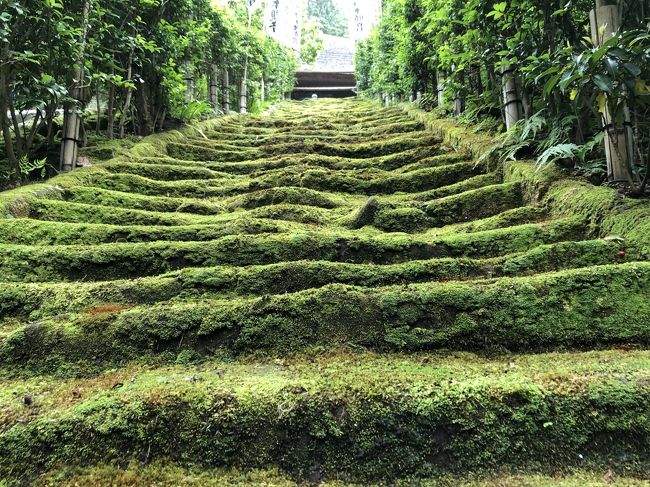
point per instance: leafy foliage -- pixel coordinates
(462, 47)
(332, 20)
(143, 62)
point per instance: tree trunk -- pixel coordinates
(605, 22)
(440, 88)
(163, 117)
(243, 87)
(512, 106)
(213, 87)
(527, 102)
(189, 84)
(226, 91)
(243, 90)
(144, 109)
(4, 121)
(459, 101)
(72, 116)
(98, 126)
(111, 112)
(129, 95)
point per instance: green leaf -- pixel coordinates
(551, 84)
(603, 83)
(633, 69)
(612, 66)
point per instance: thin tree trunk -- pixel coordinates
(129, 95)
(189, 84)
(226, 92)
(72, 117)
(110, 124)
(17, 134)
(83, 138)
(4, 122)
(51, 112)
(605, 22)
(98, 127)
(144, 109)
(440, 87)
(243, 89)
(512, 107)
(213, 87)
(161, 125)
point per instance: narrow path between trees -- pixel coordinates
(329, 290)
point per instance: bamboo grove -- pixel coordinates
(146, 65)
(570, 79)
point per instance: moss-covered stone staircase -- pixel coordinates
(330, 292)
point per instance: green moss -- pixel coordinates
(359, 418)
(52, 210)
(516, 216)
(368, 182)
(33, 232)
(274, 196)
(474, 204)
(596, 306)
(103, 197)
(173, 475)
(48, 299)
(165, 172)
(468, 184)
(401, 220)
(127, 260)
(232, 258)
(175, 189)
(216, 152)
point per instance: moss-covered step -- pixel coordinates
(370, 149)
(365, 182)
(353, 417)
(23, 231)
(593, 307)
(224, 132)
(243, 139)
(400, 161)
(132, 183)
(269, 144)
(119, 199)
(167, 172)
(287, 123)
(51, 299)
(177, 170)
(166, 474)
(187, 278)
(66, 211)
(123, 260)
(375, 147)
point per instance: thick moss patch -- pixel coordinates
(297, 297)
(353, 417)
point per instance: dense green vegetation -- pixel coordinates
(244, 291)
(147, 65)
(563, 84)
(330, 17)
(331, 292)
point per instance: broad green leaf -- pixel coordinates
(603, 83)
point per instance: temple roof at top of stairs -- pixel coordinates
(337, 56)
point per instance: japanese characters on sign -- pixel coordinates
(283, 21)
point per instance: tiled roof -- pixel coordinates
(337, 56)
